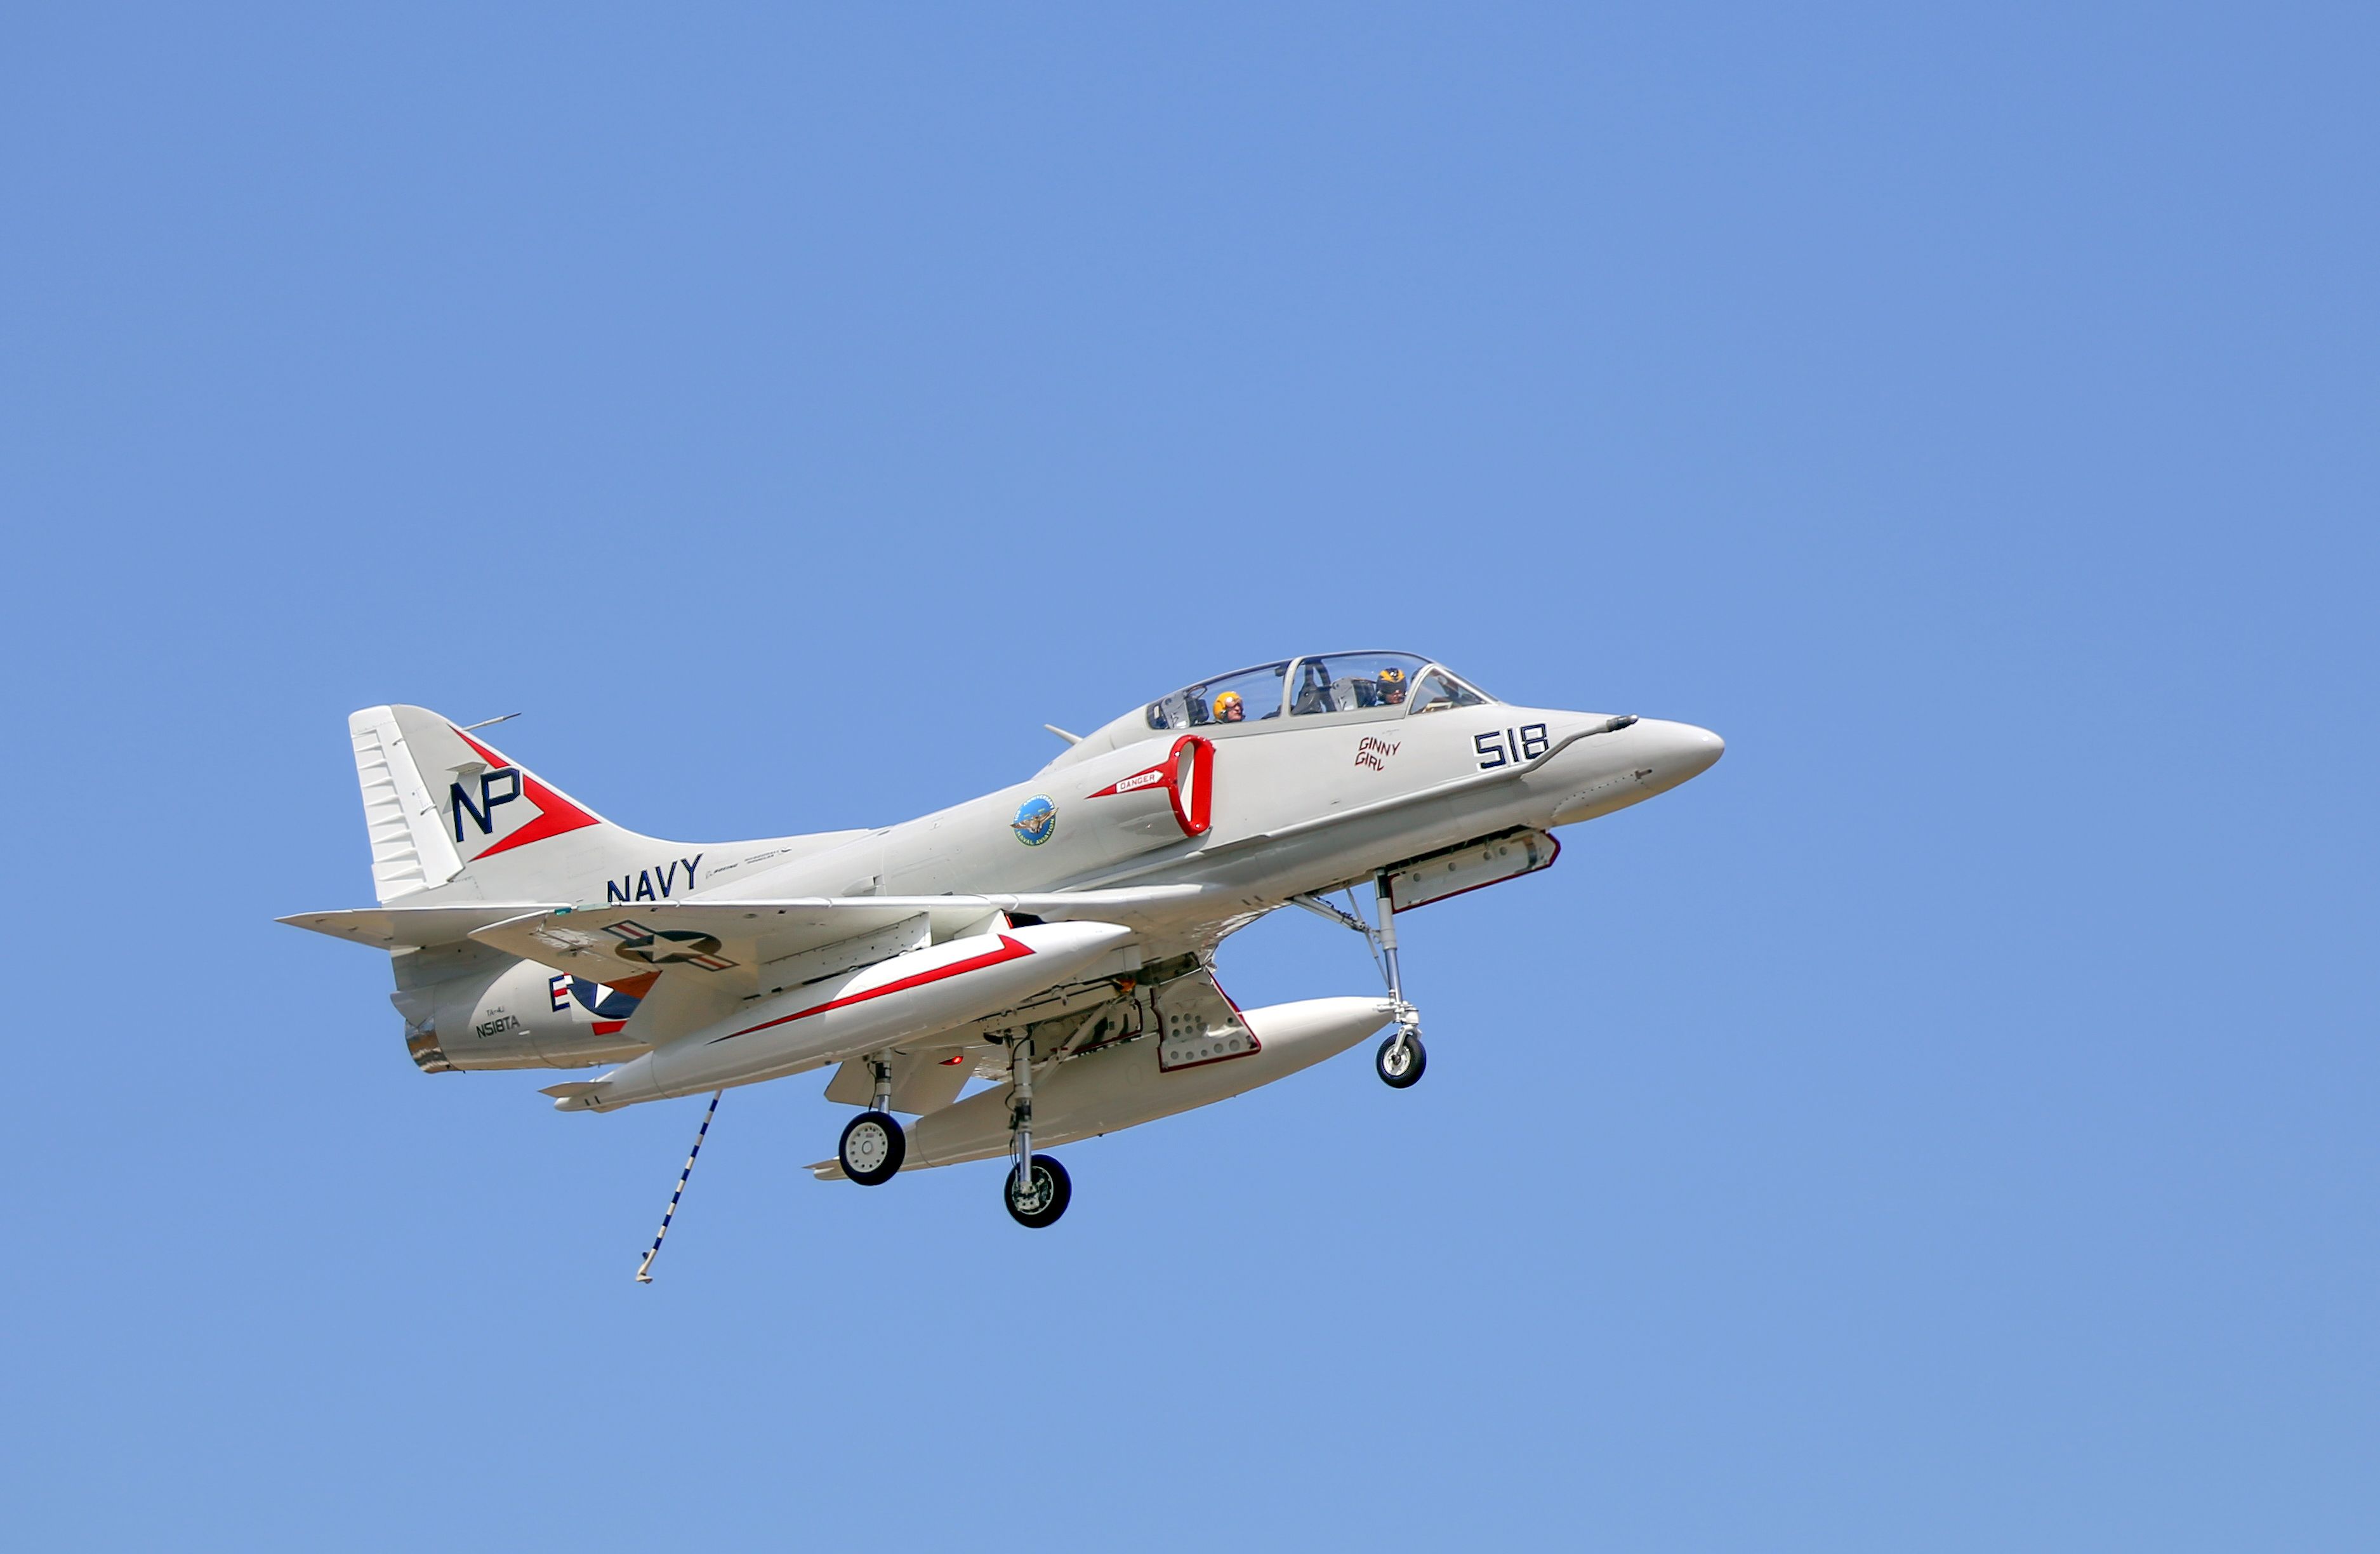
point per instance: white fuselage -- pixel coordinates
(514, 915)
(1280, 793)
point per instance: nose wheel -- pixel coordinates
(1400, 1059)
(1040, 1196)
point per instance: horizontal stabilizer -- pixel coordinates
(399, 927)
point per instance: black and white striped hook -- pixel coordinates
(645, 1269)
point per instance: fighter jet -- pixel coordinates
(1055, 939)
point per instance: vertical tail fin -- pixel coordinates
(409, 844)
(444, 808)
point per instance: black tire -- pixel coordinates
(1399, 1077)
(1055, 1193)
(880, 1146)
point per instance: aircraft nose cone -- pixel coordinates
(1702, 749)
(1681, 751)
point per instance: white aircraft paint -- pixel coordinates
(1060, 932)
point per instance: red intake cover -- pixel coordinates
(1187, 775)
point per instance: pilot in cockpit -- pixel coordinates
(1229, 709)
(1391, 686)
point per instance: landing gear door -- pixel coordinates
(1474, 865)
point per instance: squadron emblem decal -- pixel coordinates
(501, 783)
(1037, 821)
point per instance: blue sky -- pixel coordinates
(1947, 1124)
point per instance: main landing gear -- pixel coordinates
(1400, 1059)
(873, 1144)
(1037, 1190)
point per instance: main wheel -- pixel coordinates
(1039, 1201)
(1401, 1065)
(872, 1149)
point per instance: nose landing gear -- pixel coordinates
(1400, 1059)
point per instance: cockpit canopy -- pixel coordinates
(1363, 687)
(1318, 683)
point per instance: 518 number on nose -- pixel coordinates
(1500, 747)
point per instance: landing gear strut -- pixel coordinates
(1400, 1059)
(873, 1146)
(1037, 1190)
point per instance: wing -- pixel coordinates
(790, 925)
(720, 935)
